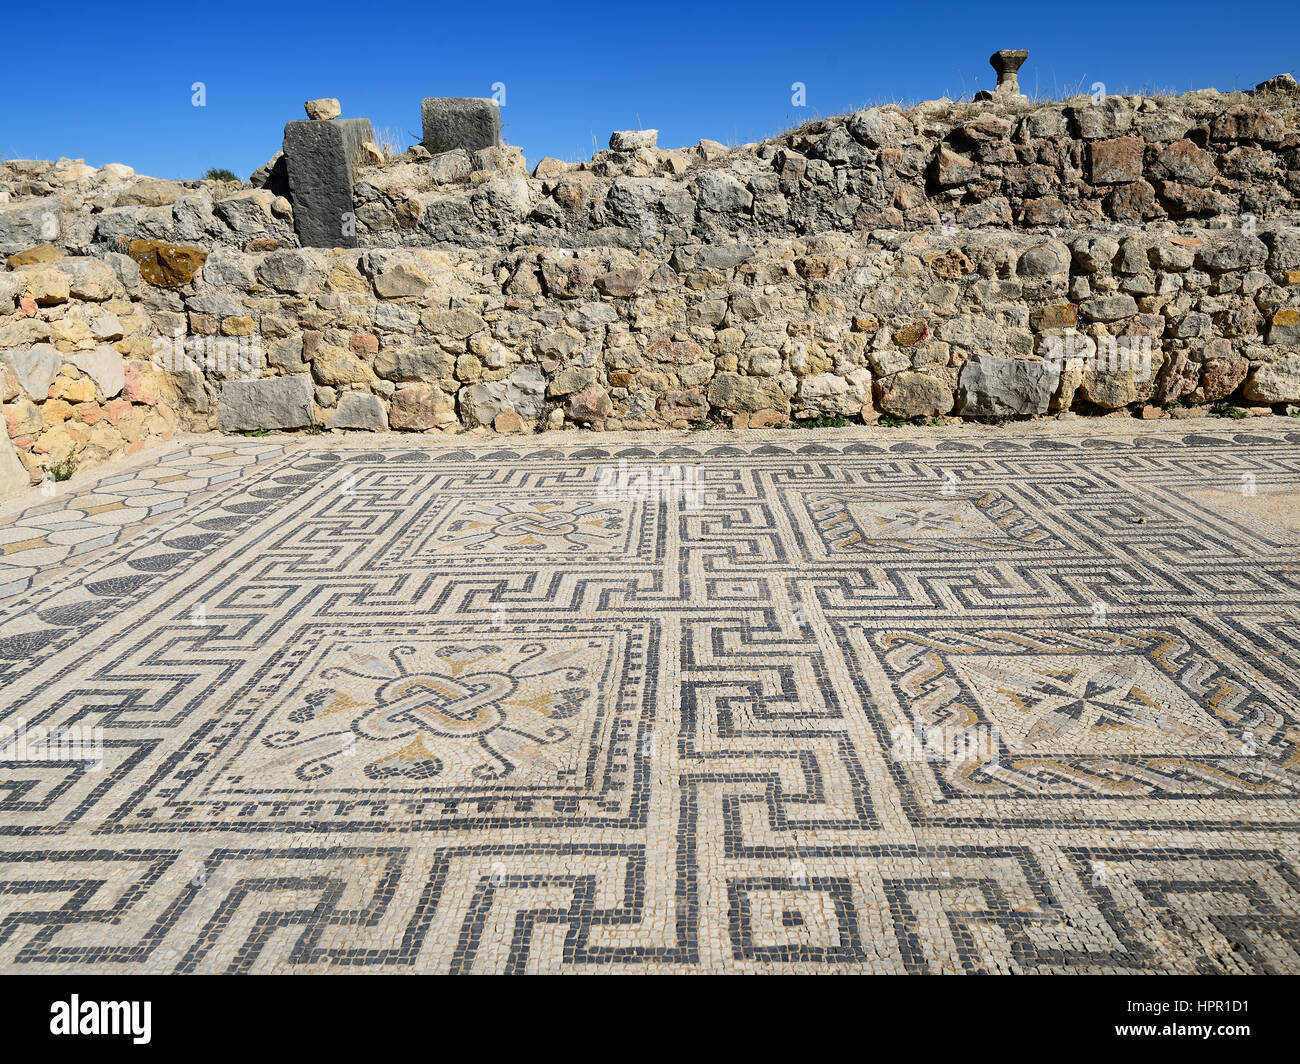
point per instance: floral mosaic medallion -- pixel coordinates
(921, 520)
(526, 527)
(1091, 705)
(434, 713)
(425, 723)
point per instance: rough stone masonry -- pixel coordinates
(1128, 255)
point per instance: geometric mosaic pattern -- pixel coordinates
(882, 701)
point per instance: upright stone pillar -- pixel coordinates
(321, 159)
(452, 122)
(1005, 62)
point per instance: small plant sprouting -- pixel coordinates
(256, 432)
(220, 174)
(1227, 410)
(63, 470)
(891, 421)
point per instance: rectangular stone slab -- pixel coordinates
(321, 159)
(467, 122)
(274, 403)
(993, 387)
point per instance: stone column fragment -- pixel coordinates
(321, 159)
(452, 122)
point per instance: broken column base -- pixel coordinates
(984, 96)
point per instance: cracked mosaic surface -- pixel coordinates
(934, 701)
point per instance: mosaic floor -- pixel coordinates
(962, 700)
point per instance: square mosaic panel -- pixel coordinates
(529, 527)
(440, 724)
(879, 521)
(1090, 704)
(1041, 718)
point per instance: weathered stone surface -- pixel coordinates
(91, 279)
(458, 323)
(633, 139)
(420, 407)
(427, 363)
(13, 476)
(320, 160)
(46, 287)
(460, 122)
(1275, 382)
(288, 271)
(359, 410)
(912, 334)
(1221, 376)
(571, 379)
(326, 107)
(590, 405)
(722, 191)
(1044, 261)
(827, 393)
(104, 366)
(1232, 251)
(1126, 382)
(246, 213)
(950, 264)
(995, 387)
(736, 394)
(910, 394)
(682, 406)
(1284, 327)
(400, 279)
(1247, 123)
(449, 166)
(524, 392)
(951, 169)
(883, 250)
(621, 283)
(26, 224)
(1109, 308)
(34, 256)
(166, 265)
(334, 365)
(1116, 161)
(150, 192)
(35, 368)
(277, 403)
(1100, 121)
(1184, 162)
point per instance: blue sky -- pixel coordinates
(120, 87)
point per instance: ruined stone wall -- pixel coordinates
(995, 259)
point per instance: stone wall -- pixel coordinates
(993, 259)
(76, 374)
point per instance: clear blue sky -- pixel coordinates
(118, 89)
